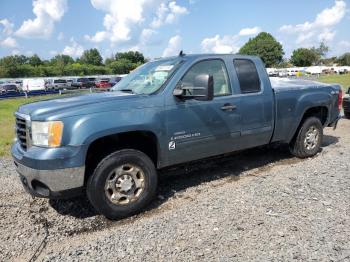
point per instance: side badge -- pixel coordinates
(172, 145)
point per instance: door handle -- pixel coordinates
(228, 107)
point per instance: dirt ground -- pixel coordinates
(260, 204)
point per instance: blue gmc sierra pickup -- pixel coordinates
(166, 112)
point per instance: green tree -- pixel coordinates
(11, 64)
(344, 60)
(304, 57)
(322, 50)
(285, 63)
(62, 59)
(109, 60)
(91, 57)
(34, 60)
(60, 62)
(3, 72)
(266, 47)
(62, 65)
(122, 66)
(329, 61)
(19, 59)
(133, 56)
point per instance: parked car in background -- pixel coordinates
(8, 88)
(272, 72)
(115, 80)
(283, 73)
(82, 82)
(33, 84)
(346, 105)
(92, 79)
(69, 82)
(56, 84)
(18, 83)
(103, 83)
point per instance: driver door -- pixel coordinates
(199, 129)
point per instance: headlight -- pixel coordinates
(48, 134)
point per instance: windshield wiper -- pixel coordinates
(126, 91)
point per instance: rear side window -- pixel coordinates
(248, 77)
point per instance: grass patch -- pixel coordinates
(343, 80)
(7, 120)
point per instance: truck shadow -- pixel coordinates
(177, 179)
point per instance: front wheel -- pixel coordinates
(122, 184)
(308, 139)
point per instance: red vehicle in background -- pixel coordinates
(103, 83)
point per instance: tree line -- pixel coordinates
(271, 52)
(91, 62)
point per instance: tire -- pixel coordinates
(303, 147)
(102, 194)
(347, 114)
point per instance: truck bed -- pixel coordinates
(283, 84)
(293, 97)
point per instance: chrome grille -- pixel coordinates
(22, 131)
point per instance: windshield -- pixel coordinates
(148, 78)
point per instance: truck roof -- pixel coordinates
(196, 56)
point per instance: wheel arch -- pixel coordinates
(320, 112)
(143, 140)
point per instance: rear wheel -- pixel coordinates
(122, 184)
(308, 140)
(347, 115)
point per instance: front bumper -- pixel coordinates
(60, 183)
(50, 173)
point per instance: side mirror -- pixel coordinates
(348, 92)
(202, 90)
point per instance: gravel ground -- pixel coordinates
(261, 204)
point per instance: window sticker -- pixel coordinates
(164, 68)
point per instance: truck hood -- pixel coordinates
(75, 105)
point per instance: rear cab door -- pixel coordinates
(253, 86)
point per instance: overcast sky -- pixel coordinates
(162, 27)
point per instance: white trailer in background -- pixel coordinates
(33, 84)
(342, 69)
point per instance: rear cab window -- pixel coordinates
(248, 76)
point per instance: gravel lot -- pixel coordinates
(261, 204)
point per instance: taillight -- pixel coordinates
(340, 99)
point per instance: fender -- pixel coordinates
(305, 102)
(89, 128)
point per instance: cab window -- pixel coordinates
(217, 69)
(248, 77)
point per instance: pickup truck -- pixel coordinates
(166, 112)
